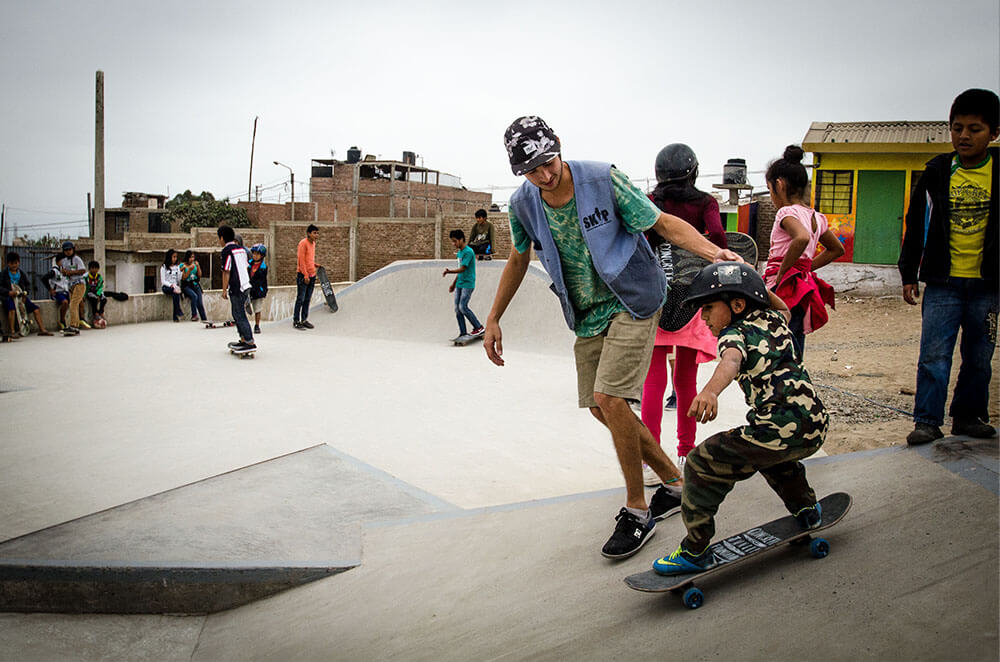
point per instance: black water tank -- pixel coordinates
(353, 154)
(734, 172)
(410, 158)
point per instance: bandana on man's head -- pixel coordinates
(530, 143)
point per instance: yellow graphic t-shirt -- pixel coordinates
(969, 191)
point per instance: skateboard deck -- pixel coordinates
(21, 320)
(733, 550)
(324, 284)
(242, 353)
(219, 325)
(462, 341)
(681, 266)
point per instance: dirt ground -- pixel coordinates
(865, 363)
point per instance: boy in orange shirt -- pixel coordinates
(305, 277)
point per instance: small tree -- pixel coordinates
(204, 211)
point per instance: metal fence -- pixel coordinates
(36, 261)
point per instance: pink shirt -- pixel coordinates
(781, 239)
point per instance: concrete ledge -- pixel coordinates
(153, 307)
(210, 545)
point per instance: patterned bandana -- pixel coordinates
(530, 143)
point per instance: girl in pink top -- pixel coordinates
(675, 193)
(791, 261)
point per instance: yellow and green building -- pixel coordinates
(864, 174)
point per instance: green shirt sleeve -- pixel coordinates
(731, 337)
(518, 237)
(637, 212)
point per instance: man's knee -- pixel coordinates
(607, 403)
(596, 411)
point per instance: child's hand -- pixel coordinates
(451, 288)
(704, 407)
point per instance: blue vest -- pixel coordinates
(624, 261)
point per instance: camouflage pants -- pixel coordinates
(715, 466)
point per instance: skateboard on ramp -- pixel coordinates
(733, 550)
(324, 284)
(462, 341)
(242, 353)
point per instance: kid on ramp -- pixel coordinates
(786, 422)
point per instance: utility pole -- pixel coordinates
(253, 141)
(99, 174)
(3, 213)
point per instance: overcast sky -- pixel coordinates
(616, 80)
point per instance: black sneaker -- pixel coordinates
(234, 343)
(923, 433)
(243, 347)
(810, 517)
(306, 324)
(298, 325)
(666, 501)
(629, 536)
(671, 403)
(973, 428)
(256, 328)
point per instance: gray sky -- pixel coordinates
(617, 81)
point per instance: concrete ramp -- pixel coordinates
(409, 301)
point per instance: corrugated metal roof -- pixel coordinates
(878, 133)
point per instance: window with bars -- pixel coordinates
(834, 191)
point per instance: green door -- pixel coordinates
(878, 229)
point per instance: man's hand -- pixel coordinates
(704, 407)
(225, 293)
(493, 342)
(911, 293)
(726, 255)
(445, 273)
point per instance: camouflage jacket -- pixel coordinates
(785, 410)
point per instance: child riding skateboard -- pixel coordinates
(786, 423)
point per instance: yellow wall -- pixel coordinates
(843, 224)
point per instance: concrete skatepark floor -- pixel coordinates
(507, 564)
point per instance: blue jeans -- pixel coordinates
(462, 296)
(238, 301)
(967, 304)
(169, 291)
(193, 292)
(303, 295)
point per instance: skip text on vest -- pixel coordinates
(597, 219)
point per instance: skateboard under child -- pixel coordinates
(744, 546)
(324, 284)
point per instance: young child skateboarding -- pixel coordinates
(235, 283)
(786, 422)
(464, 283)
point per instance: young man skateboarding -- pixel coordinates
(305, 278)
(585, 222)
(464, 283)
(235, 285)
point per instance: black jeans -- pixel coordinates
(238, 301)
(303, 295)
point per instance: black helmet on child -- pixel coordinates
(67, 245)
(724, 280)
(675, 162)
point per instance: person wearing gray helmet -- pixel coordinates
(585, 221)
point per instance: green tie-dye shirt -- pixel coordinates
(593, 302)
(785, 410)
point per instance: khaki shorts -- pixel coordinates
(257, 305)
(615, 362)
